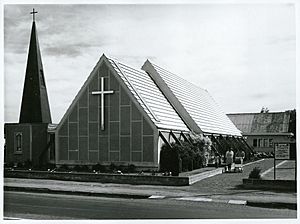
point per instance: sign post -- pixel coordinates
(281, 152)
(274, 167)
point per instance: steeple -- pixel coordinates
(35, 105)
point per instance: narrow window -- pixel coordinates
(18, 142)
(260, 143)
(266, 143)
(255, 142)
(270, 142)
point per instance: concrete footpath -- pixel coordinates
(284, 170)
(254, 198)
(258, 198)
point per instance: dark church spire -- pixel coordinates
(35, 106)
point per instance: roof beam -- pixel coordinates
(175, 138)
(176, 104)
(245, 143)
(164, 140)
(185, 138)
(218, 143)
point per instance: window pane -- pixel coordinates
(255, 142)
(260, 143)
(270, 142)
(18, 141)
(266, 143)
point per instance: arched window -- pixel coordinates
(18, 142)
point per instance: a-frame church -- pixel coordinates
(121, 115)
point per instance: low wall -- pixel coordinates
(101, 178)
(287, 185)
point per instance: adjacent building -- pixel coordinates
(265, 129)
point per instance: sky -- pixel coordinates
(243, 54)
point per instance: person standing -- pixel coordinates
(229, 158)
(243, 154)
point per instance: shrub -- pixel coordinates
(123, 168)
(24, 165)
(112, 167)
(131, 168)
(64, 167)
(85, 168)
(169, 160)
(47, 166)
(77, 168)
(9, 165)
(98, 167)
(81, 168)
(185, 156)
(255, 173)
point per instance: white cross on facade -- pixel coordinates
(102, 92)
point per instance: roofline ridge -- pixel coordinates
(136, 91)
(153, 70)
(128, 66)
(178, 76)
(170, 97)
(253, 113)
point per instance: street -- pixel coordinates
(51, 206)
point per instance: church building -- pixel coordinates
(121, 115)
(28, 140)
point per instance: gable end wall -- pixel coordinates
(129, 136)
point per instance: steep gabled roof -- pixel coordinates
(259, 123)
(149, 97)
(194, 104)
(35, 105)
(144, 91)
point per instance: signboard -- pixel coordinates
(282, 151)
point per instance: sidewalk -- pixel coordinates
(191, 193)
(285, 170)
(145, 191)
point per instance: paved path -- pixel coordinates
(227, 183)
(285, 170)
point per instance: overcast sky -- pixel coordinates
(243, 54)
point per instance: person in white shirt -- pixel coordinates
(229, 158)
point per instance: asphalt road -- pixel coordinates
(49, 206)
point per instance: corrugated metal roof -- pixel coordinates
(199, 104)
(149, 97)
(277, 122)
